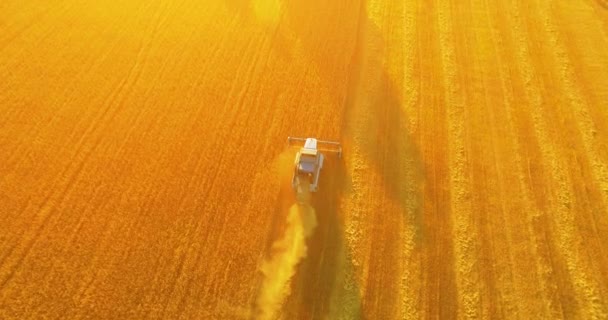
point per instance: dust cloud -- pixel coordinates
(287, 252)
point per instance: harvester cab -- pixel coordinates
(309, 161)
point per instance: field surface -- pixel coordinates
(144, 171)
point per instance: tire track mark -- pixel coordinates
(464, 233)
(82, 292)
(581, 113)
(581, 70)
(592, 288)
(17, 113)
(412, 233)
(561, 197)
(136, 123)
(73, 171)
(126, 84)
(48, 128)
(227, 124)
(55, 116)
(530, 87)
(585, 44)
(439, 299)
(198, 161)
(527, 290)
(486, 174)
(28, 155)
(52, 274)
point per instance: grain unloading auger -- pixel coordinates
(309, 162)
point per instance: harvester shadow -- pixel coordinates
(376, 121)
(376, 128)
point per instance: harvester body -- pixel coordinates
(309, 162)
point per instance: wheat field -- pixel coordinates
(144, 171)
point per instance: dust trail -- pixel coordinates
(286, 254)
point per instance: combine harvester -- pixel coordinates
(308, 164)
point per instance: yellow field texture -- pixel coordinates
(144, 171)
